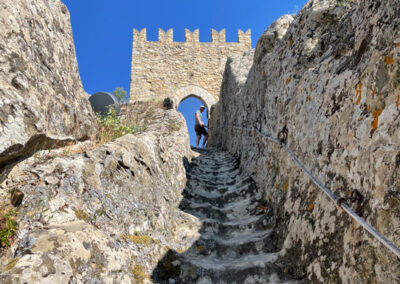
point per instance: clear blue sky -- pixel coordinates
(103, 30)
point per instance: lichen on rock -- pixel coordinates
(42, 101)
(93, 212)
(330, 80)
(81, 199)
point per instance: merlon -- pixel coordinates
(190, 37)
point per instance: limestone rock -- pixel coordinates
(41, 94)
(333, 81)
(102, 214)
(274, 33)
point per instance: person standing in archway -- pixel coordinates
(199, 127)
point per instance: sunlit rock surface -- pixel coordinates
(106, 213)
(41, 96)
(333, 80)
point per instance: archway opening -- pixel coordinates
(188, 107)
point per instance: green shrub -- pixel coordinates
(120, 93)
(111, 127)
(9, 227)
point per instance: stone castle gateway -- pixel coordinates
(181, 69)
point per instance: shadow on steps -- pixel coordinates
(237, 243)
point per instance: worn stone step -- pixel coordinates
(231, 211)
(213, 162)
(237, 246)
(244, 191)
(227, 169)
(218, 169)
(227, 270)
(217, 180)
(221, 172)
(237, 243)
(226, 228)
(200, 150)
(232, 185)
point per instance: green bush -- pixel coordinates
(9, 227)
(112, 128)
(120, 93)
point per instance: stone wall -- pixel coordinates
(180, 69)
(331, 75)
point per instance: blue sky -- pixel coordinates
(103, 31)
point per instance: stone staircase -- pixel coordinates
(237, 239)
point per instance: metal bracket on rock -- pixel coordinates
(355, 197)
(283, 134)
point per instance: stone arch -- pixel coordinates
(197, 92)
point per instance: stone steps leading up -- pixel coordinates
(242, 191)
(237, 242)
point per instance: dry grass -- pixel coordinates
(141, 239)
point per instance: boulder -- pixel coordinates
(42, 101)
(103, 213)
(273, 34)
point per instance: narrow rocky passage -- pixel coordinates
(236, 244)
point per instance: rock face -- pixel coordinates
(272, 35)
(102, 214)
(90, 213)
(41, 95)
(333, 80)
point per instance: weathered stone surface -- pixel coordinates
(333, 80)
(181, 69)
(272, 35)
(40, 89)
(102, 214)
(237, 242)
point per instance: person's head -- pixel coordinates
(202, 108)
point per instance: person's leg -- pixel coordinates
(205, 133)
(205, 140)
(197, 140)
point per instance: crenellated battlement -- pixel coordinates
(166, 67)
(190, 37)
(167, 36)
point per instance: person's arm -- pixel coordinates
(198, 120)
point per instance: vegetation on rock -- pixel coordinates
(173, 125)
(141, 239)
(111, 127)
(8, 227)
(120, 93)
(139, 273)
(12, 263)
(81, 215)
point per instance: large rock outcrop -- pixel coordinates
(90, 213)
(333, 80)
(41, 96)
(102, 214)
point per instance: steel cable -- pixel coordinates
(390, 245)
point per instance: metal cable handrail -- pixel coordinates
(387, 243)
